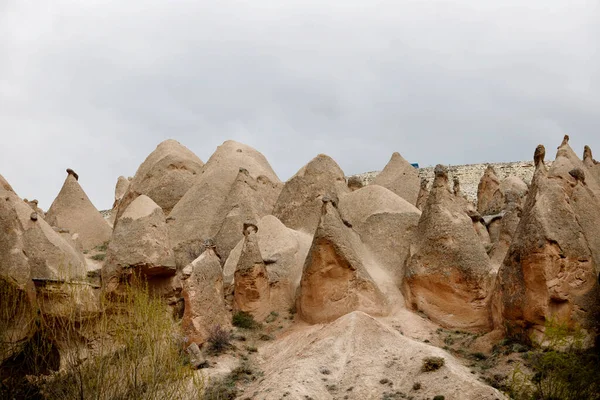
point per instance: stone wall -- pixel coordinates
(470, 174)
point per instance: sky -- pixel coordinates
(95, 85)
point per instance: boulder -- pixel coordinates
(334, 280)
(73, 210)
(488, 185)
(299, 204)
(200, 213)
(164, 176)
(423, 194)
(34, 206)
(385, 223)
(448, 274)
(251, 279)
(551, 268)
(203, 297)
(139, 244)
(283, 251)
(400, 177)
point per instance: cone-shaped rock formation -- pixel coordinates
(488, 185)
(251, 286)
(73, 210)
(165, 176)
(400, 177)
(334, 280)
(299, 204)
(203, 296)
(200, 213)
(551, 269)
(448, 273)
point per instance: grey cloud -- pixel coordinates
(95, 86)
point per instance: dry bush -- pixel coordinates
(128, 349)
(219, 339)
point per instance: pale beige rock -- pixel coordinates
(164, 176)
(34, 206)
(401, 178)
(488, 185)
(120, 189)
(423, 194)
(385, 223)
(504, 229)
(4, 185)
(204, 297)
(248, 199)
(139, 244)
(334, 280)
(283, 251)
(251, 279)
(299, 204)
(448, 275)
(551, 269)
(349, 357)
(200, 213)
(591, 164)
(73, 210)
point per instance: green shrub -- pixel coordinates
(432, 364)
(244, 320)
(99, 256)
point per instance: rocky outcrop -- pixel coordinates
(488, 185)
(400, 177)
(423, 194)
(120, 189)
(503, 228)
(200, 213)
(164, 176)
(334, 280)
(448, 274)
(73, 210)
(203, 296)
(139, 245)
(283, 250)
(248, 199)
(251, 280)
(385, 223)
(551, 269)
(299, 204)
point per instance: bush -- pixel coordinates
(244, 320)
(219, 339)
(99, 257)
(432, 364)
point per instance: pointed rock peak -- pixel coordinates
(73, 210)
(232, 153)
(141, 207)
(587, 153)
(490, 173)
(565, 141)
(440, 177)
(4, 185)
(400, 177)
(250, 256)
(456, 185)
(73, 173)
(538, 156)
(321, 164)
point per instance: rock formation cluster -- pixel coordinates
(227, 236)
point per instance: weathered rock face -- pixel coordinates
(385, 223)
(423, 194)
(73, 210)
(401, 178)
(165, 176)
(488, 185)
(200, 213)
(503, 229)
(120, 189)
(139, 244)
(334, 280)
(4, 185)
(251, 279)
(448, 274)
(248, 199)
(299, 204)
(34, 206)
(551, 269)
(592, 165)
(283, 251)
(203, 297)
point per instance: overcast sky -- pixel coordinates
(95, 85)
